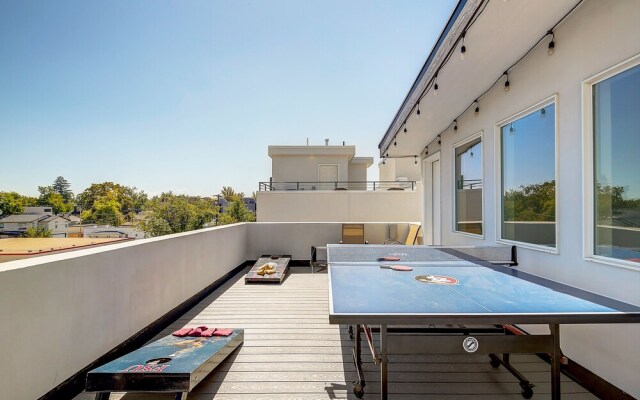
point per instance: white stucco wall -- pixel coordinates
(61, 312)
(343, 206)
(305, 168)
(596, 37)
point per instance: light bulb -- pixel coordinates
(507, 85)
(552, 47)
(463, 50)
(435, 89)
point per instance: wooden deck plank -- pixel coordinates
(291, 352)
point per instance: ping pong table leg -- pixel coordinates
(555, 361)
(383, 362)
(102, 396)
(181, 396)
(358, 387)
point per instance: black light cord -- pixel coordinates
(473, 19)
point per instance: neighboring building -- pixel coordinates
(57, 225)
(317, 168)
(97, 231)
(330, 184)
(19, 248)
(250, 203)
(38, 210)
(532, 141)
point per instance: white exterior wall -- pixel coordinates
(357, 172)
(596, 37)
(304, 168)
(84, 303)
(58, 227)
(340, 206)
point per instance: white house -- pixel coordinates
(317, 167)
(57, 225)
(526, 119)
(329, 184)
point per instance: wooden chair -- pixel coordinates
(412, 236)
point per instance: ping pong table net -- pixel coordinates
(502, 255)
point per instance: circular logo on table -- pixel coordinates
(470, 344)
(437, 279)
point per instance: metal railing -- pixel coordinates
(337, 185)
(469, 184)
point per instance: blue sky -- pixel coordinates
(186, 96)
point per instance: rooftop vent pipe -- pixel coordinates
(326, 142)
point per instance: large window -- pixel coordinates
(528, 191)
(616, 168)
(468, 192)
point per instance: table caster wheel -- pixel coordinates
(350, 332)
(494, 363)
(527, 392)
(358, 390)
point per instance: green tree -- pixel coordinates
(535, 202)
(230, 195)
(39, 232)
(171, 213)
(49, 197)
(236, 212)
(61, 186)
(14, 203)
(127, 201)
(106, 210)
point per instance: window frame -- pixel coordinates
(553, 99)
(454, 146)
(588, 165)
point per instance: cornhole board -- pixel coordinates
(171, 364)
(282, 266)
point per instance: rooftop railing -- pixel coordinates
(337, 185)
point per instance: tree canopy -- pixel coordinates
(230, 195)
(171, 213)
(237, 211)
(535, 202)
(61, 186)
(14, 203)
(110, 203)
(49, 197)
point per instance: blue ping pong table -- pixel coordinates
(464, 288)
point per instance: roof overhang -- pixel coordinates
(345, 151)
(367, 161)
(501, 34)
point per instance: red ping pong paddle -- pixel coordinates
(396, 267)
(389, 258)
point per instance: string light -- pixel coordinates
(395, 142)
(383, 161)
(455, 124)
(439, 140)
(552, 44)
(426, 150)
(415, 160)
(435, 85)
(512, 130)
(507, 82)
(543, 113)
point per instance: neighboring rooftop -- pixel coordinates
(18, 248)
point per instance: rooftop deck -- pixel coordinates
(291, 352)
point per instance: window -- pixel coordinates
(616, 166)
(468, 188)
(528, 183)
